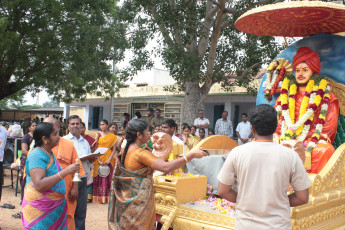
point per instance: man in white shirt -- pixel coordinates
(201, 122)
(224, 126)
(3, 139)
(83, 149)
(244, 130)
(263, 171)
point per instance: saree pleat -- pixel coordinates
(101, 185)
(131, 203)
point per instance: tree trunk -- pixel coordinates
(193, 101)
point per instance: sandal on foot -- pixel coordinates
(8, 206)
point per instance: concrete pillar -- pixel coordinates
(66, 110)
(86, 116)
(227, 107)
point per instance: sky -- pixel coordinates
(42, 97)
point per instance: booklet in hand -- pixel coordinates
(98, 152)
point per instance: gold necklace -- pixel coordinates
(44, 150)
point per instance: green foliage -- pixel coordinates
(194, 46)
(28, 107)
(50, 104)
(62, 46)
(16, 100)
(3, 104)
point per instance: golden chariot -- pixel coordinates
(326, 206)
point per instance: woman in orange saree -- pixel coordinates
(132, 196)
(101, 185)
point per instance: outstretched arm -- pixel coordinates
(167, 166)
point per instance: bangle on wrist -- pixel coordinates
(60, 175)
(185, 158)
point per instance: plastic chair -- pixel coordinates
(8, 166)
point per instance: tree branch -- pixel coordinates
(9, 89)
(163, 30)
(215, 3)
(224, 25)
(261, 3)
(175, 30)
(215, 36)
(244, 73)
(230, 10)
(208, 22)
(213, 47)
(211, 12)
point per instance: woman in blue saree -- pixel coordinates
(44, 204)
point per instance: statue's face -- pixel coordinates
(162, 145)
(303, 73)
(275, 64)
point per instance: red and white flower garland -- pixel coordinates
(272, 84)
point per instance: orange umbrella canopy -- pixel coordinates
(293, 19)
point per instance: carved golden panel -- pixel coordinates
(326, 207)
(338, 90)
(325, 210)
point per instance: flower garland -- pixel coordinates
(272, 84)
(221, 205)
(317, 92)
(315, 138)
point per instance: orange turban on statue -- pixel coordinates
(311, 58)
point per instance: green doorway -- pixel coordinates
(217, 113)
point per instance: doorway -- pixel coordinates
(97, 116)
(217, 113)
(236, 119)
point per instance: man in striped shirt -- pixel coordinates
(224, 126)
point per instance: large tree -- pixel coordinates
(198, 43)
(59, 45)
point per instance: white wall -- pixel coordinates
(89, 104)
(245, 103)
(151, 77)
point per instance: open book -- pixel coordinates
(98, 152)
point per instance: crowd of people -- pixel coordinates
(48, 162)
(201, 128)
(122, 176)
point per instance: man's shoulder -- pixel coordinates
(158, 118)
(66, 142)
(68, 136)
(242, 124)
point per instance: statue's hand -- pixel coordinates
(297, 146)
(325, 137)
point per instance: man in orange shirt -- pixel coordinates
(66, 154)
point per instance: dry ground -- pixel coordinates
(96, 213)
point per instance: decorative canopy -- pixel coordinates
(293, 19)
